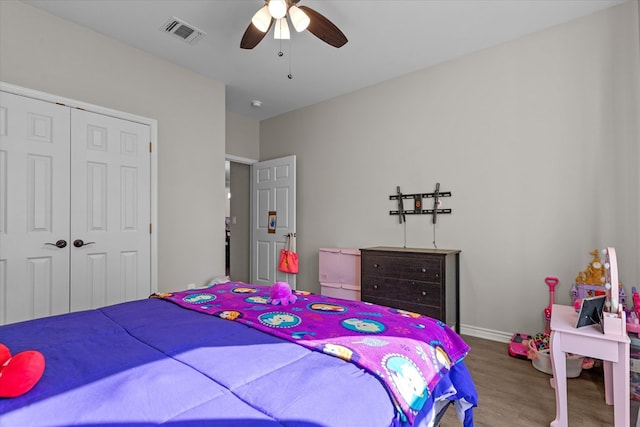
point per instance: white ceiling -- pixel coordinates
(387, 38)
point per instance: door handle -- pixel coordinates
(60, 244)
(79, 243)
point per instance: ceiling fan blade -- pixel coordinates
(252, 36)
(324, 29)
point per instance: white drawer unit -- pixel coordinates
(339, 273)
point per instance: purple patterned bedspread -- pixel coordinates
(408, 352)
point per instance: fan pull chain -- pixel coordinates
(281, 54)
(290, 76)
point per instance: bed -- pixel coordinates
(224, 356)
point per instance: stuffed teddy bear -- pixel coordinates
(281, 294)
(18, 374)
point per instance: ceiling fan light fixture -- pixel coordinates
(277, 8)
(299, 19)
(282, 29)
(262, 19)
(302, 17)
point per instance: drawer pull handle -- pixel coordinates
(424, 293)
(424, 270)
(376, 265)
(375, 286)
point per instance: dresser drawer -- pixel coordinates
(410, 291)
(425, 269)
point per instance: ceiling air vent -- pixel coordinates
(182, 30)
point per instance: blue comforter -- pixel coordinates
(151, 362)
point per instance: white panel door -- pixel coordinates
(273, 188)
(110, 210)
(34, 208)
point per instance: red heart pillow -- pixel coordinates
(18, 374)
(5, 354)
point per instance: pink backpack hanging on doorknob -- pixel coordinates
(551, 282)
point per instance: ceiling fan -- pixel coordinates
(302, 18)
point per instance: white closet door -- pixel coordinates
(110, 210)
(34, 208)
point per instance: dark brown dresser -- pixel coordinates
(425, 281)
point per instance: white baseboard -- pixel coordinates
(487, 334)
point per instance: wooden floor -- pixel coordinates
(512, 393)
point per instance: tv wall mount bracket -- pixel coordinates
(418, 208)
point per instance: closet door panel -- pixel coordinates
(111, 210)
(34, 208)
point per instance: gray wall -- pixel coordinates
(537, 139)
(42, 52)
(242, 137)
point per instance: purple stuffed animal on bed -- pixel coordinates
(281, 294)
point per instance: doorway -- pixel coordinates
(237, 220)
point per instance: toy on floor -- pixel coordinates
(281, 294)
(19, 373)
(541, 341)
(551, 282)
(519, 345)
(538, 347)
(633, 317)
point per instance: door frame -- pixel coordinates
(153, 126)
(245, 161)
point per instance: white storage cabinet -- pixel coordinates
(339, 273)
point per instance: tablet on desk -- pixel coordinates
(591, 312)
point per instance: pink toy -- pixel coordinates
(633, 320)
(281, 294)
(519, 345)
(551, 282)
(636, 301)
(577, 304)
